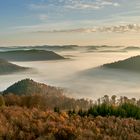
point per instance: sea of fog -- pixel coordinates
(72, 75)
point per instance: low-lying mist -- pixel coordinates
(78, 76)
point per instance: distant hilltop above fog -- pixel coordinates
(29, 55)
(115, 70)
(131, 48)
(8, 68)
(29, 87)
(57, 47)
(131, 64)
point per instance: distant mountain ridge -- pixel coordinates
(43, 47)
(30, 55)
(7, 67)
(131, 64)
(57, 47)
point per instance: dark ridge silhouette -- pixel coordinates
(44, 47)
(101, 47)
(131, 48)
(7, 68)
(131, 64)
(29, 87)
(30, 55)
(92, 48)
(111, 51)
(107, 46)
(57, 47)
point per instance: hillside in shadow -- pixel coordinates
(8, 68)
(30, 55)
(130, 64)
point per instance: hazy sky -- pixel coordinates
(82, 22)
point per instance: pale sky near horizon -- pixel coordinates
(80, 22)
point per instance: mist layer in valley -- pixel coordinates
(80, 76)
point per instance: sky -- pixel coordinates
(65, 22)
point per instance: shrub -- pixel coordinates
(2, 102)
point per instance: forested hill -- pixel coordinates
(131, 64)
(33, 94)
(29, 87)
(30, 55)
